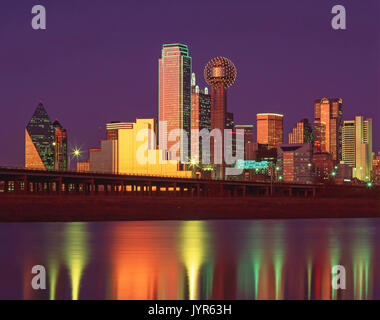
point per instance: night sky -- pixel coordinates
(98, 60)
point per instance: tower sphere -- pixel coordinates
(220, 72)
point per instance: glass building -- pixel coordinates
(357, 147)
(39, 141)
(302, 132)
(175, 67)
(270, 129)
(348, 143)
(328, 124)
(60, 147)
(200, 118)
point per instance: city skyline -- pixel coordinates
(94, 86)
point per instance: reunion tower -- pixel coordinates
(219, 73)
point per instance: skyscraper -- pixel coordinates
(357, 147)
(270, 129)
(219, 73)
(60, 147)
(39, 141)
(249, 147)
(328, 125)
(302, 132)
(200, 118)
(348, 143)
(175, 97)
(363, 148)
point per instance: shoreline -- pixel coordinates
(72, 208)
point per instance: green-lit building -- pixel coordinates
(41, 142)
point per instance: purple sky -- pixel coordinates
(97, 60)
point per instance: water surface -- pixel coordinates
(269, 259)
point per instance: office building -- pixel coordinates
(60, 147)
(249, 147)
(348, 143)
(294, 162)
(357, 147)
(134, 152)
(328, 126)
(175, 99)
(270, 129)
(376, 168)
(301, 133)
(39, 141)
(200, 118)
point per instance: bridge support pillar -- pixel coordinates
(290, 192)
(59, 186)
(244, 191)
(198, 190)
(26, 184)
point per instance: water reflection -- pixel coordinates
(76, 252)
(193, 259)
(194, 250)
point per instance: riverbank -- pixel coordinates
(27, 208)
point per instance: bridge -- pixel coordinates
(19, 180)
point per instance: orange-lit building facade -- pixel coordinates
(323, 165)
(376, 168)
(295, 162)
(249, 147)
(301, 133)
(45, 143)
(328, 124)
(134, 152)
(113, 127)
(60, 147)
(175, 67)
(83, 166)
(270, 129)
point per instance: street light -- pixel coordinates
(75, 153)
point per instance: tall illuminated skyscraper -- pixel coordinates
(328, 124)
(219, 73)
(200, 118)
(348, 143)
(270, 129)
(39, 141)
(175, 67)
(302, 132)
(357, 147)
(363, 148)
(60, 147)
